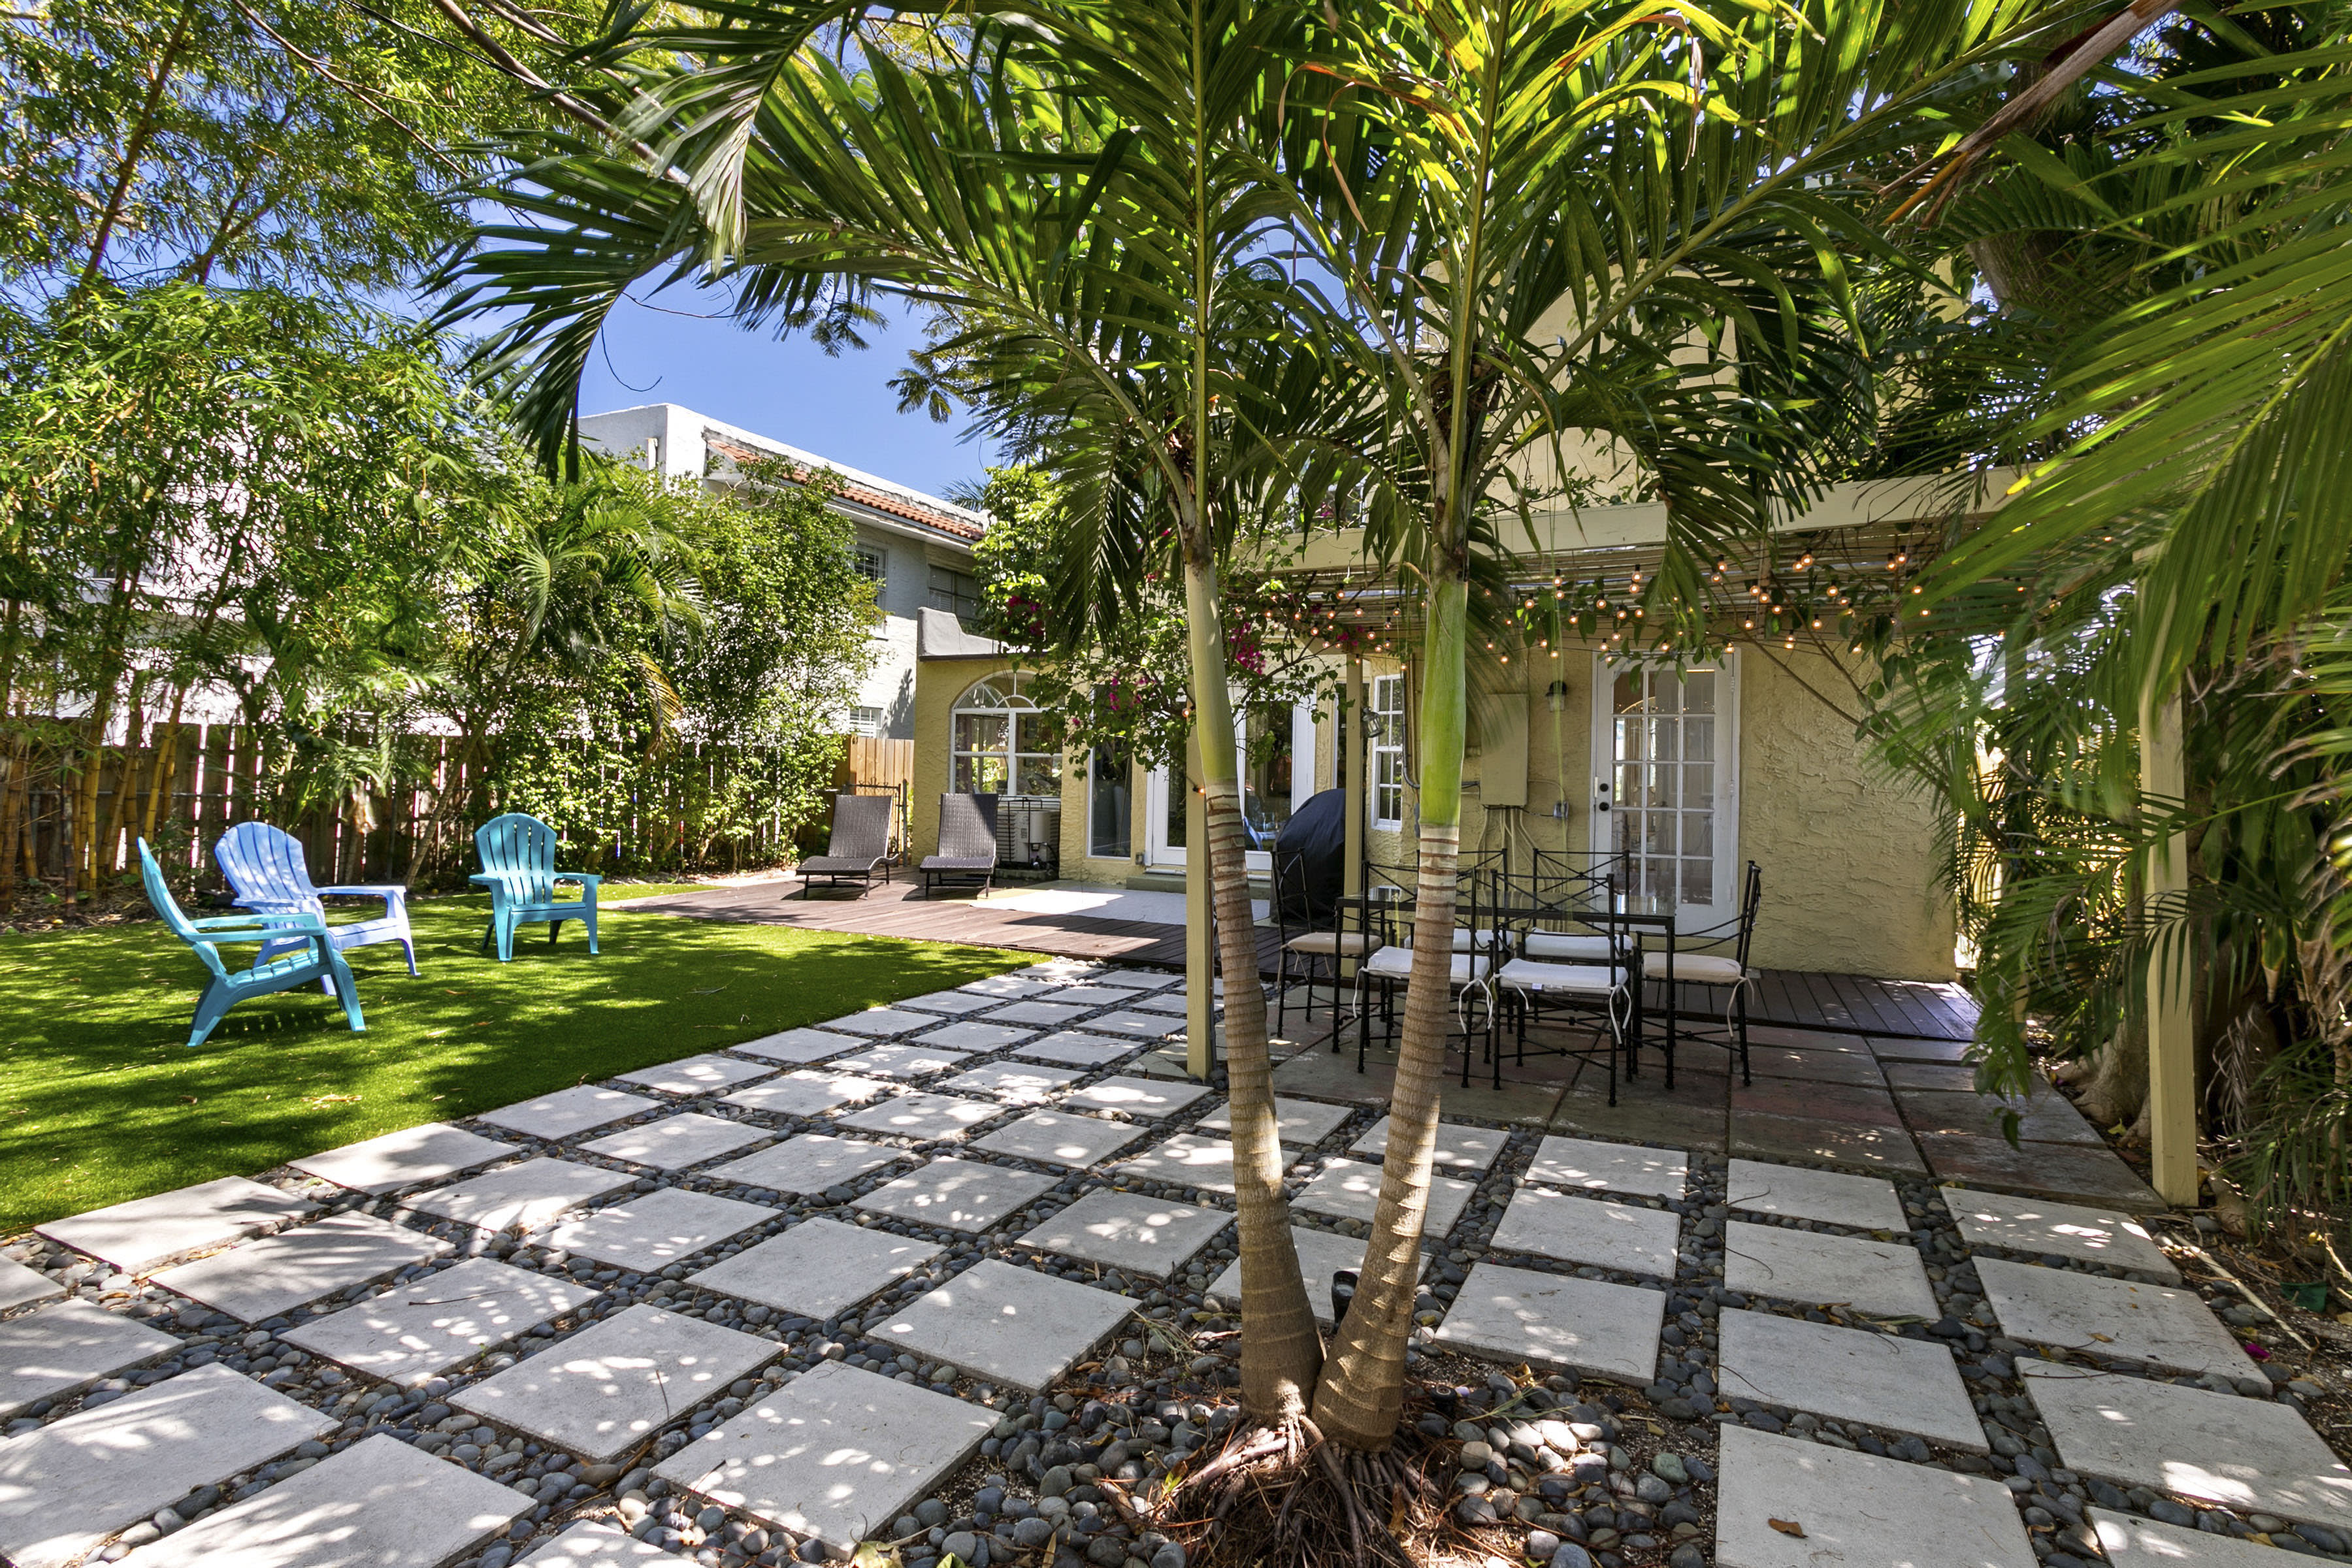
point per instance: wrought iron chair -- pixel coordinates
(1718, 968)
(966, 857)
(1593, 973)
(859, 847)
(1314, 952)
(1388, 902)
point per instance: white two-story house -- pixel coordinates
(917, 548)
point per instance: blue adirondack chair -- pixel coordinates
(265, 870)
(317, 959)
(518, 854)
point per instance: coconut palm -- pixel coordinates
(1078, 188)
(1554, 218)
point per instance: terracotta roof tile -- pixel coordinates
(884, 501)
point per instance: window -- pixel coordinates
(957, 593)
(874, 566)
(1387, 750)
(1001, 743)
(1110, 808)
(1266, 761)
(866, 720)
(1668, 781)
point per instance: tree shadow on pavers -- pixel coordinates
(100, 1101)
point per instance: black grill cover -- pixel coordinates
(1318, 832)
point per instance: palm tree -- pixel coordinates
(1551, 216)
(1083, 195)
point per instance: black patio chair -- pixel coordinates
(1717, 968)
(966, 857)
(1316, 954)
(1566, 954)
(1387, 912)
(859, 847)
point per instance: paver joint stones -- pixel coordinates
(422, 1329)
(2246, 1454)
(1589, 1230)
(1053, 1138)
(832, 1455)
(2128, 1543)
(1586, 1326)
(2154, 1325)
(1848, 1375)
(568, 1111)
(522, 1198)
(674, 1142)
(651, 1231)
(273, 1274)
(817, 1268)
(1130, 1231)
(1829, 1198)
(615, 1383)
(1855, 1510)
(404, 1159)
(809, 1164)
(1009, 1325)
(956, 1194)
(1300, 1123)
(145, 1233)
(1883, 1279)
(1349, 1189)
(380, 1504)
(601, 1544)
(2069, 1230)
(1613, 1167)
(69, 1485)
(1458, 1148)
(47, 1352)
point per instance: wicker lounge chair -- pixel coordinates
(860, 846)
(966, 857)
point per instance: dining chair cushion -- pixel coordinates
(1464, 941)
(1580, 979)
(1332, 943)
(1556, 945)
(1700, 969)
(1396, 962)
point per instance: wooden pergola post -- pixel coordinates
(2171, 1042)
(1199, 939)
(1353, 796)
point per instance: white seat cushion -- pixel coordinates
(1396, 962)
(1556, 945)
(1464, 941)
(1700, 969)
(1329, 942)
(1582, 979)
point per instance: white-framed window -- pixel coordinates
(1001, 742)
(866, 720)
(1387, 750)
(873, 563)
(1110, 815)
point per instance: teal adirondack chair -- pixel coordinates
(318, 960)
(518, 854)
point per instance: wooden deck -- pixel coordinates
(1797, 998)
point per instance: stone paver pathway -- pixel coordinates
(778, 1299)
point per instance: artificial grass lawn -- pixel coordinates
(100, 1101)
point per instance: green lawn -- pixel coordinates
(101, 1101)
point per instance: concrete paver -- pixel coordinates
(650, 1232)
(276, 1273)
(1883, 1279)
(1610, 1167)
(818, 1268)
(1575, 1229)
(2158, 1325)
(674, 1142)
(1058, 1138)
(707, 1074)
(1828, 1198)
(1184, 1161)
(957, 1195)
(1300, 1123)
(801, 1047)
(808, 1163)
(143, 1235)
(2067, 1230)
(1350, 1189)
(422, 1328)
(61, 1347)
(1130, 1231)
(522, 1198)
(1835, 1509)
(1849, 1375)
(1012, 1326)
(923, 1116)
(432, 1152)
(1590, 1327)
(568, 1111)
(615, 1383)
(808, 1093)
(1143, 1097)
(1459, 1148)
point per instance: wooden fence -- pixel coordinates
(418, 829)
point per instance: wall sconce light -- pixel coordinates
(1556, 696)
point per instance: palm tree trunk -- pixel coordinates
(1362, 1396)
(1281, 1347)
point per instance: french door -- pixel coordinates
(1277, 775)
(1665, 782)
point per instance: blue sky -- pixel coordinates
(842, 408)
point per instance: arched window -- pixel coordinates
(1002, 743)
